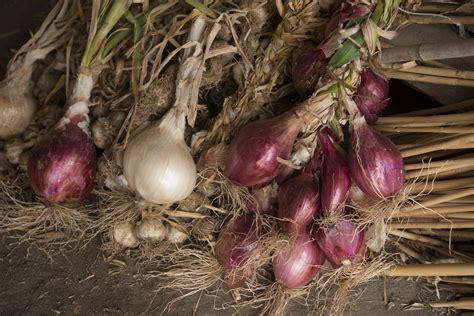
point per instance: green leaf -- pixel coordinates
(348, 52)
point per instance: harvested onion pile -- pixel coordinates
(207, 172)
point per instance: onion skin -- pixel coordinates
(347, 12)
(335, 177)
(253, 153)
(297, 267)
(372, 95)
(265, 200)
(298, 202)
(309, 64)
(341, 243)
(236, 244)
(62, 165)
(375, 162)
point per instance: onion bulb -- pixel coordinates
(297, 267)
(372, 95)
(252, 155)
(375, 162)
(265, 200)
(348, 11)
(342, 243)
(151, 229)
(298, 202)
(157, 162)
(62, 165)
(124, 235)
(335, 178)
(309, 64)
(236, 244)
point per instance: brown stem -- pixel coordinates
(441, 129)
(445, 269)
(443, 145)
(463, 303)
(433, 71)
(431, 51)
(435, 211)
(416, 237)
(428, 78)
(434, 225)
(411, 252)
(448, 233)
(434, 186)
(440, 164)
(446, 118)
(431, 19)
(460, 106)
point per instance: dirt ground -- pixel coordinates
(85, 283)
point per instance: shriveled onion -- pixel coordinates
(124, 235)
(151, 229)
(297, 267)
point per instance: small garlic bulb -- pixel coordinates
(175, 236)
(124, 235)
(151, 229)
(158, 164)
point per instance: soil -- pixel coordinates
(84, 282)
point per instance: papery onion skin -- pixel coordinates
(335, 177)
(297, 267)
(372, 95)
(375, 162)
(309, 64)
(298, 202)
(342, 243)
(253, 153)
(62, 165)
(158, 165)
(236, 244)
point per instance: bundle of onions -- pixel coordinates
(17, 105)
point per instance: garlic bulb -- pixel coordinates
(151, 229)
(124, 235)
(158, 164)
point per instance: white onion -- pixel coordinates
(151, 229)
(124, 235)
(157, 163)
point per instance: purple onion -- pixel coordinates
(309, 64)
(62, 165)
(348, 11)
(236, 244)
(375, 162)
(298, 202)
(335, 177)
(372, 95)
(341, 243)
(297, 267)
(253, 153)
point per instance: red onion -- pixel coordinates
(342, 243)
(236, 244)
(313, 167)
(348, 11)
(62, 166)
(372, 95)
(309, 64)
(297, 267)
(253, 153)
(375, 162)
(265, 200)
(335, 178)
(298, 202)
